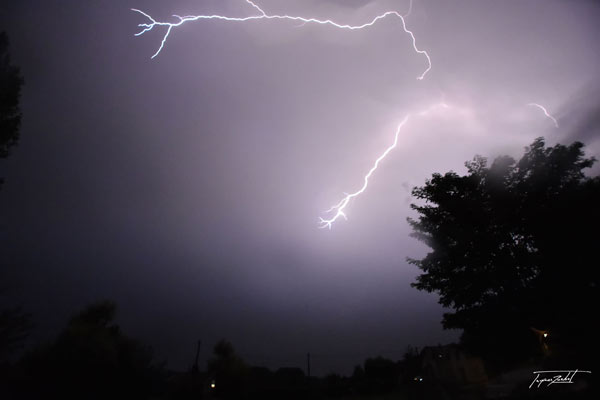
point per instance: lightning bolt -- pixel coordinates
(263, 15)
(341, 206)
(545, 112)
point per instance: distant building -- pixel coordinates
(450, 365)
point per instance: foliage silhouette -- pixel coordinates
(15, 326)
(11, 83)
(91, 359)
(228, 370)
(514, 248)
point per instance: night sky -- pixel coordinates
(188, 187)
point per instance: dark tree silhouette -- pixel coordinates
(514, 248)
(411, 365)
(11, 82)
(15, 326)
(14, 323)
(90, 359)
(228, 371)
(382, 374)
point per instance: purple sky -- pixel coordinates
(188, 187)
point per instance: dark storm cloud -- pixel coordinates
(581, 114)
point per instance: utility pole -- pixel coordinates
(195, 368)
(308, 364)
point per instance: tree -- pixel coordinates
(15, 326)
(11, 83)
(228, 370)
(513, 248)
(381, 374)
(411, 365)
(91, 359)
(14, 323)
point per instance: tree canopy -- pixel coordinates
(91, 358)
(228, 370)
(15, 326)
(11, 83)
(513, 246)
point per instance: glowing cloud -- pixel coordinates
(338, 210)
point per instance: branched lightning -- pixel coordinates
(263, 15)
(409, 9)
(339, 207)
(545, 112)
(432, 108)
